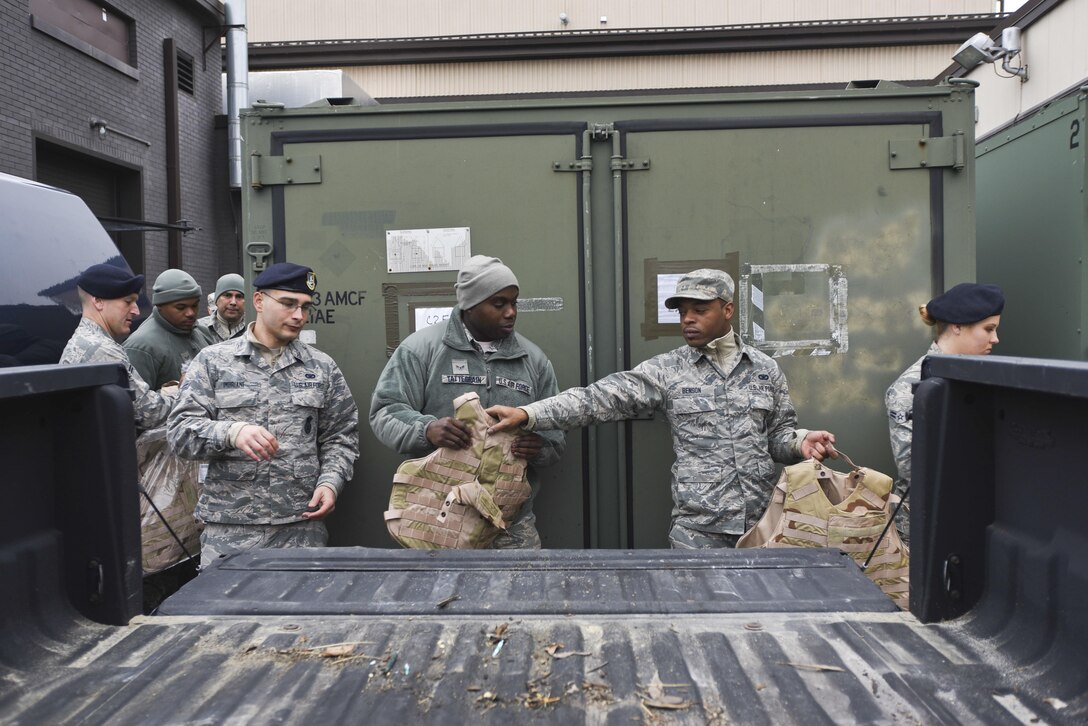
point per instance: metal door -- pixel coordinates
(829, 250)
(498, 182)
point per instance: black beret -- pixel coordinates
(109, 282)
(968, 302)
(286, 276)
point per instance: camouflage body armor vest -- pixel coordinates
(459, 498)
(814, 506)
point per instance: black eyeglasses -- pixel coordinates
(292, 305)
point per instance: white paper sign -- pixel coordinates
(427, 250)
(666, 288)
(426, 317)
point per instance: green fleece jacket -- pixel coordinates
(433, 366)
(160, 352)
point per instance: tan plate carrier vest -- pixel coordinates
(459, 498)
(814, 506)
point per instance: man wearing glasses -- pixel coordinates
(275, 419)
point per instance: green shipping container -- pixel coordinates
(1033, 229)
(837, 213)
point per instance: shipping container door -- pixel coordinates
(829, 246)
(492, 185)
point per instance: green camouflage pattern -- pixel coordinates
(899, 400)
(728, 428)
(220, 540)
(219, 330)
(91, 344)
(682, 538)
(303, 400)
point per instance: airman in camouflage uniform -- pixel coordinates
(728, 406)
(227, 309)
(899, 401)
(277, 422)
(966, 318)
(108, 295)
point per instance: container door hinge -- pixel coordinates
(579, 165)
(937, 152)
(268, 171)
(630, 164)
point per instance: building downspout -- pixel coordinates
(237, 84)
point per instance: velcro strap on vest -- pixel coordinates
(803, 518)
(465, 456)
(873, 499)
(421, 482)
(820, 540)
(392, 514)
(437, 467)
(806, 490)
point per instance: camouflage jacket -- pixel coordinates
(219, 330)
(728, 428)
(303, 400)
(437, 364)
(91, 344)
(899, 401)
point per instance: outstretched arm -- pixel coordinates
(509, 418)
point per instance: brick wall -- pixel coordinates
(50, 91)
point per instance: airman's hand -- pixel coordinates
(321, 503)
(257, 443)
(508, 416)
(527, 446)
(819, 445)
(449, 433)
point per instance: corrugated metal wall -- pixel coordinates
(657, 72)
(277, 20)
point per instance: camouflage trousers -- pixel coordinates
(219, 540)
(685, 538)
(521, 535)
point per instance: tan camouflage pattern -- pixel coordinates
(728, 428)
(302, 399)
(814, 506)
(91, 344)
(899, 401)
(459, 498)
(174, 487)
(220, 540)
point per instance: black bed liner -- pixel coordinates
(372, 636)
(996, 632)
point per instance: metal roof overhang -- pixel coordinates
(860, 33)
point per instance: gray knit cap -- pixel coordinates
(480, 278)
(228, 282)
(174, 285)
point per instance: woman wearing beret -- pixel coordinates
(965, 320)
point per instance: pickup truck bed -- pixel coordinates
(375, 636)
(995, 634)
